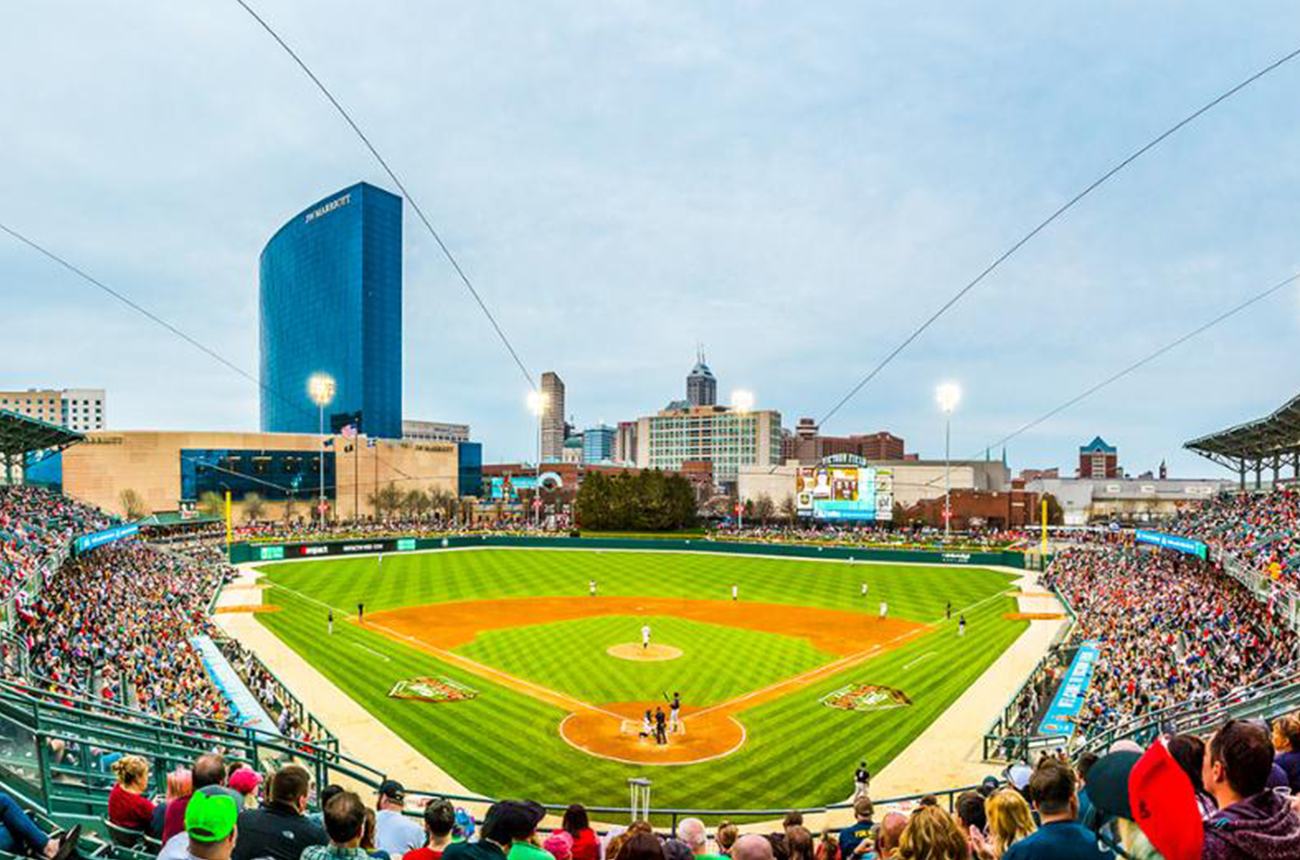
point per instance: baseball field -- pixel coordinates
(500, 666)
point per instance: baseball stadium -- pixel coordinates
(287, 617)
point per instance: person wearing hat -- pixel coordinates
(859, 832)
(345, 823)
(508, 824)
(210, 829)
(394, 832)
(245, 780)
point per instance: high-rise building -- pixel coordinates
(701, 386)
(726, 437)
(598, 444)
(625, 442)
(331, 303)
(553, 428)
(79, 409)
(1098, 460)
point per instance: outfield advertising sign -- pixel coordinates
(90, 541)
(1067, 703)
(1174, 542)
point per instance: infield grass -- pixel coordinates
(503, 743)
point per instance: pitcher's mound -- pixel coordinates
(632, 651)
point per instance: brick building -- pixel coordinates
(806, 445)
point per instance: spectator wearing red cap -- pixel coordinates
(1252, 823)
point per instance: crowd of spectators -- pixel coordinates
(1170, 628)
(1260, 530)
(36, 527)
(116, 622)
(1225, 797)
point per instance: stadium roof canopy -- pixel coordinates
(20, 436)
(1270, 442)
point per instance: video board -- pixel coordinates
(845, 491)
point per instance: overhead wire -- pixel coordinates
(365, 140)
(1042, 225)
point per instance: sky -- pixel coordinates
(795, 186)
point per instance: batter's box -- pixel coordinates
(635, 727)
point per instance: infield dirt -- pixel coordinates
(611, 730)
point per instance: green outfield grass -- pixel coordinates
(503, 743)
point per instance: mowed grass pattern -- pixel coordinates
(799, 752)
(717, 662)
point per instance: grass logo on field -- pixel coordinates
(432, 689)
(865, 697)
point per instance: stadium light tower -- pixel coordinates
(742, 400)
(949, 395)
(321, 388)
(537, 405)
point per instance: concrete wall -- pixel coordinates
(148, 462)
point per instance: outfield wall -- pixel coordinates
(284, 551)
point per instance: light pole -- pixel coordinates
(537, 405)
(948, 394)
(321, 389)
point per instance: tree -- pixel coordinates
(415, 503)
(211, 504)
(133, 505)
(789, 509)
(290, 508)
(764, 508)
(649, 501)
(254, 507)
(386, 500)
(749, 509)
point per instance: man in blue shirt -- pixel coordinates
(857, 834)
(1052, 789)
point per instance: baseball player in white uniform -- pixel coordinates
(735, 591)
(592, 586)
(864, 589)
(645, 636)
(884, 610)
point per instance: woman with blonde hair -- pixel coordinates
(932, 834)
(180, 783)
(127, 805)
(1009, 821)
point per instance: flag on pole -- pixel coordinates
(349, 431)
(328, 443)
(370, 442)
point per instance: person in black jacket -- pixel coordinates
(279, 829)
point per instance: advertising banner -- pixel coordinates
(1174, 542)
(90, 541)
(1068, 701)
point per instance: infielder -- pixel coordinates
(645, 636)
(592, 585)
(331, 622)
(884, 610)
(864, 589)
(735, 591)
(961, 626)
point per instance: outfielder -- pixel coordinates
(331, 622)
(864, 589)
(961, 626)
(592, 586)
(735, 591)
(645, 636)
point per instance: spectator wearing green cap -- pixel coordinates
(210, 830)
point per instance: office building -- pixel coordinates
(806, 445)
(1099, 460)
(434, 431)
(625, 442)
(331, 303)
(553, 427)
(598, 444)
(701, 386)
(79, 409)
(726, 437)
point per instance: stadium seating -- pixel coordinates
(1185, 649)
(1260, 530)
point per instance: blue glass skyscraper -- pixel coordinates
(331, 302)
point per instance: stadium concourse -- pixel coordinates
(111, 631)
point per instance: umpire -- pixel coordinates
(661, 732)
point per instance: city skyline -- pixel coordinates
(796, 193)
